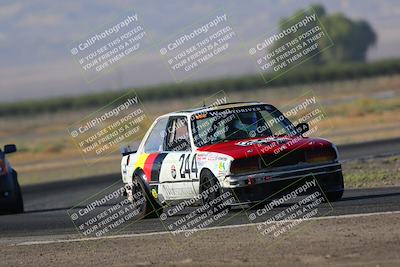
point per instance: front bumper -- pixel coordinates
(260, 186)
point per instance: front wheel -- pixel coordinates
(211, 192)
(334, 196)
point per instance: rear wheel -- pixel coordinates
(147, 206)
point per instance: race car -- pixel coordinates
(248, 148)
(10, 192)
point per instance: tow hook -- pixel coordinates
(128, 192)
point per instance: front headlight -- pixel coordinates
(3, 167)
(245, 165)
(321, 156)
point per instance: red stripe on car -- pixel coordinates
(148, 165)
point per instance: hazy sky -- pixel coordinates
(36, 36)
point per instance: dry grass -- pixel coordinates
(356, 111)
(377, 172)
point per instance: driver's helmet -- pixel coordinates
(246, 122)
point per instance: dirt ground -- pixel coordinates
(355, 241)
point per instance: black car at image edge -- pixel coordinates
(10, 192)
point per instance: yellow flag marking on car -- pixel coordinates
(140, 162)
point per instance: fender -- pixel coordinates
(217, 163)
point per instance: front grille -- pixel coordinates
(292, 158)
(295, 157)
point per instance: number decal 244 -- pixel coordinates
(187, 167)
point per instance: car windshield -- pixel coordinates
(239, 123)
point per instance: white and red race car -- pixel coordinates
(250, 149)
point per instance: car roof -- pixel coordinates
(212, 107)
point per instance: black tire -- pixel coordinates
(149, 208)
(334, 196)
(208, 181)
(18, 205)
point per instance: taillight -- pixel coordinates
(320, 156)
(245, 165)
(3, 167)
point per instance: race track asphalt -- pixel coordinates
(46, 205)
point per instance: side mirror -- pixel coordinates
(10, 149)
(302, 128)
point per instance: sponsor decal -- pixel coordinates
(173, 171)
(263, 141)
(211, 157)
(200, 116)
(201, 157)
(221, 166)
(239, 110)
(154, 193)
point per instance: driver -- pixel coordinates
(243, 126)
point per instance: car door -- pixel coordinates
(179, 168)
(153, 154)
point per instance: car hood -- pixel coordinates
(278, 146)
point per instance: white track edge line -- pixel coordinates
(346, 216)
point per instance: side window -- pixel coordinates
(155, 141)
(178, 134)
